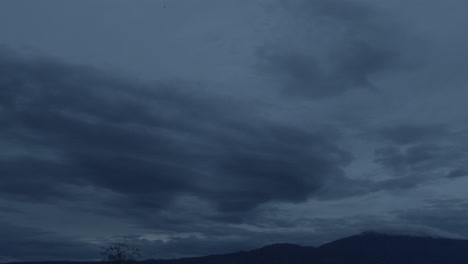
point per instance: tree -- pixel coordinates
(120, 253)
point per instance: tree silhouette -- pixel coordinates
(119, 253)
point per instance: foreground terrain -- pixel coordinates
(365, 248)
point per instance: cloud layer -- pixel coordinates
(276, 121)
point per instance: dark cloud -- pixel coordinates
(29, 244)
(8, 209)
(461, 172)
(403, 161)
(421, 158)
(148, 143)
(419, 164)
(225, 162)
(446, 214)
(417, 154)
(303, 75)
(359, 43)
(409, 134)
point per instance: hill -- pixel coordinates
(365, 248)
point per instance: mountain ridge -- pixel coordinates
(369, 247)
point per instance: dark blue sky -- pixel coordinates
(198, 127)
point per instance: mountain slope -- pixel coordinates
(272, 254)
(366, 248)
(402, 249)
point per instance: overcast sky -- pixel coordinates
(210, 126)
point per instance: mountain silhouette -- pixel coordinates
(402, 249)
(364, 248)
(272, 254)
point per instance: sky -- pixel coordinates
(208, 126)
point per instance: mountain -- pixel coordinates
(365, 248)
(383, 248)
(272, 254)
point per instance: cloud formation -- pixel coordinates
(269, 121)
(68, 128)
(31, 244)
(345, 45)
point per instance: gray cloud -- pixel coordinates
(411, 159)
(345, 45)
(409, 134)
(461, 172)
(8, 209)
(447, 214)
(423, 158)
(26, 243)
(148, 144)
(229, 161)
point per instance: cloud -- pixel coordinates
(430, 151)
(343, 45)
(27, 243)
(8, 209)
(419, 157)
(410, 133)
(457, 173)
(445, 214)
(90, 155)
(69, 128)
